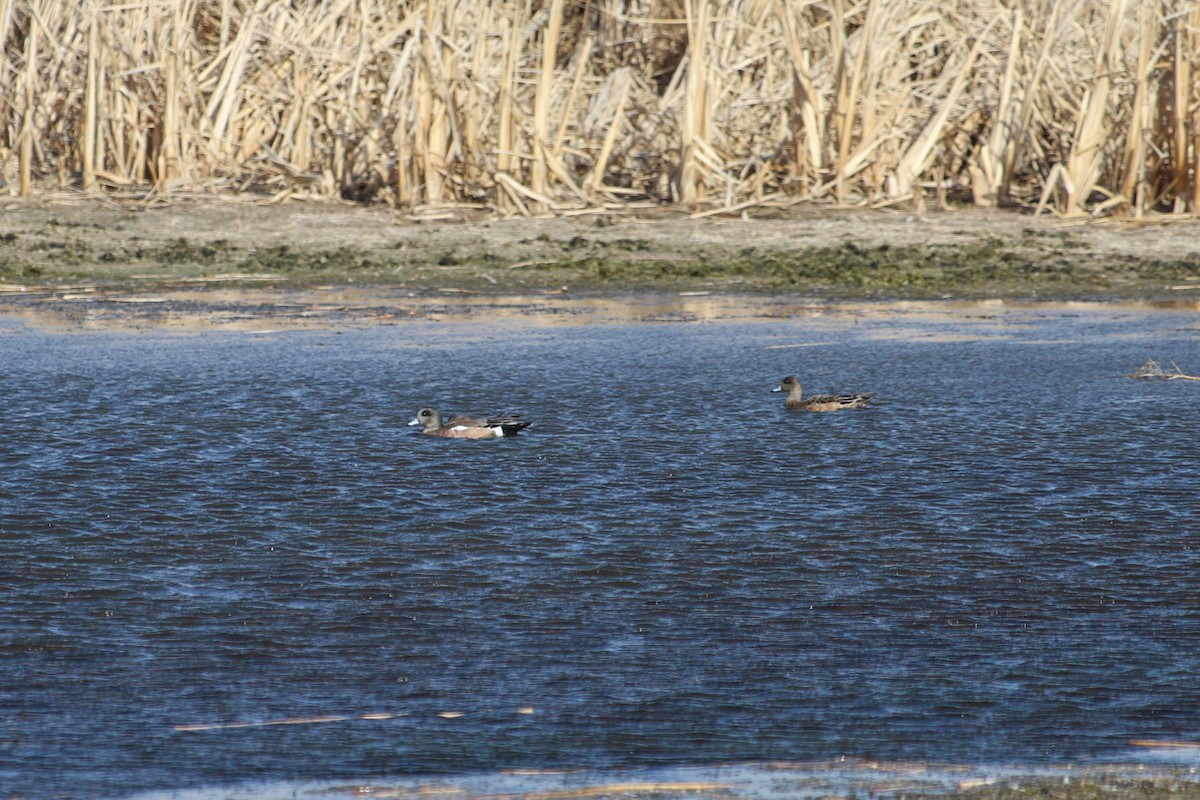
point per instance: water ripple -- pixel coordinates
(995, 562)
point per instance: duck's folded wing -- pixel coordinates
(837, 399)
(458, 420)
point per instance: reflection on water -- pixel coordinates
(258, 310)
(995, 564)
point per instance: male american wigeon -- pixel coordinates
(457, 427)
(819, 402)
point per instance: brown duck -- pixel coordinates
(457, 427)
(818, 402)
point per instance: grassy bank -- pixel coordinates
(836, 254)
(554, 106)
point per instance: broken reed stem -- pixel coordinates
(1152, 370)
(613, 129)
(916, 157)
(581, 62)
(722, 102)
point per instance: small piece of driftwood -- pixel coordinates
(1152, 370)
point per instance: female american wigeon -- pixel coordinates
(469, 427)
(819, 402)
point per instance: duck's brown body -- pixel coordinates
(819, 402)
(457, 427)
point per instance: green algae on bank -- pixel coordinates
(987, 268)
(835, 254)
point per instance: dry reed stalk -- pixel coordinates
(221, 106)
(841, 112)
(508, 90)
(100, 153)
(581, 63)
(168, 155)
(1031, 94)
(27, 120)
(917, 155)
(542, 98)
(621, 80)
(1091, 133)
(1188, 105)
(1142, 112)
(173, 165)
(696, 110)
(519, 191)
(989, 183)
(854, 78)
(805, 108)
(726, 102)
(90, 101)
(297, 119)
(434, 138)
(341, 168)
(6, 21)
(1177, 108)
(875, 44)
(505, 101)
(474, 103)
(1058, 174)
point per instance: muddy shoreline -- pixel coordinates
(237, 258)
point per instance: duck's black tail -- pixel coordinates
(510, 424)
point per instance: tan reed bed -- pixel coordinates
(581, 106)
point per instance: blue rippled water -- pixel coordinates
(996, 562)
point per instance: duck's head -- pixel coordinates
(787, 384)
(428, 417)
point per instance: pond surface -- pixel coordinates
(998, 562)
